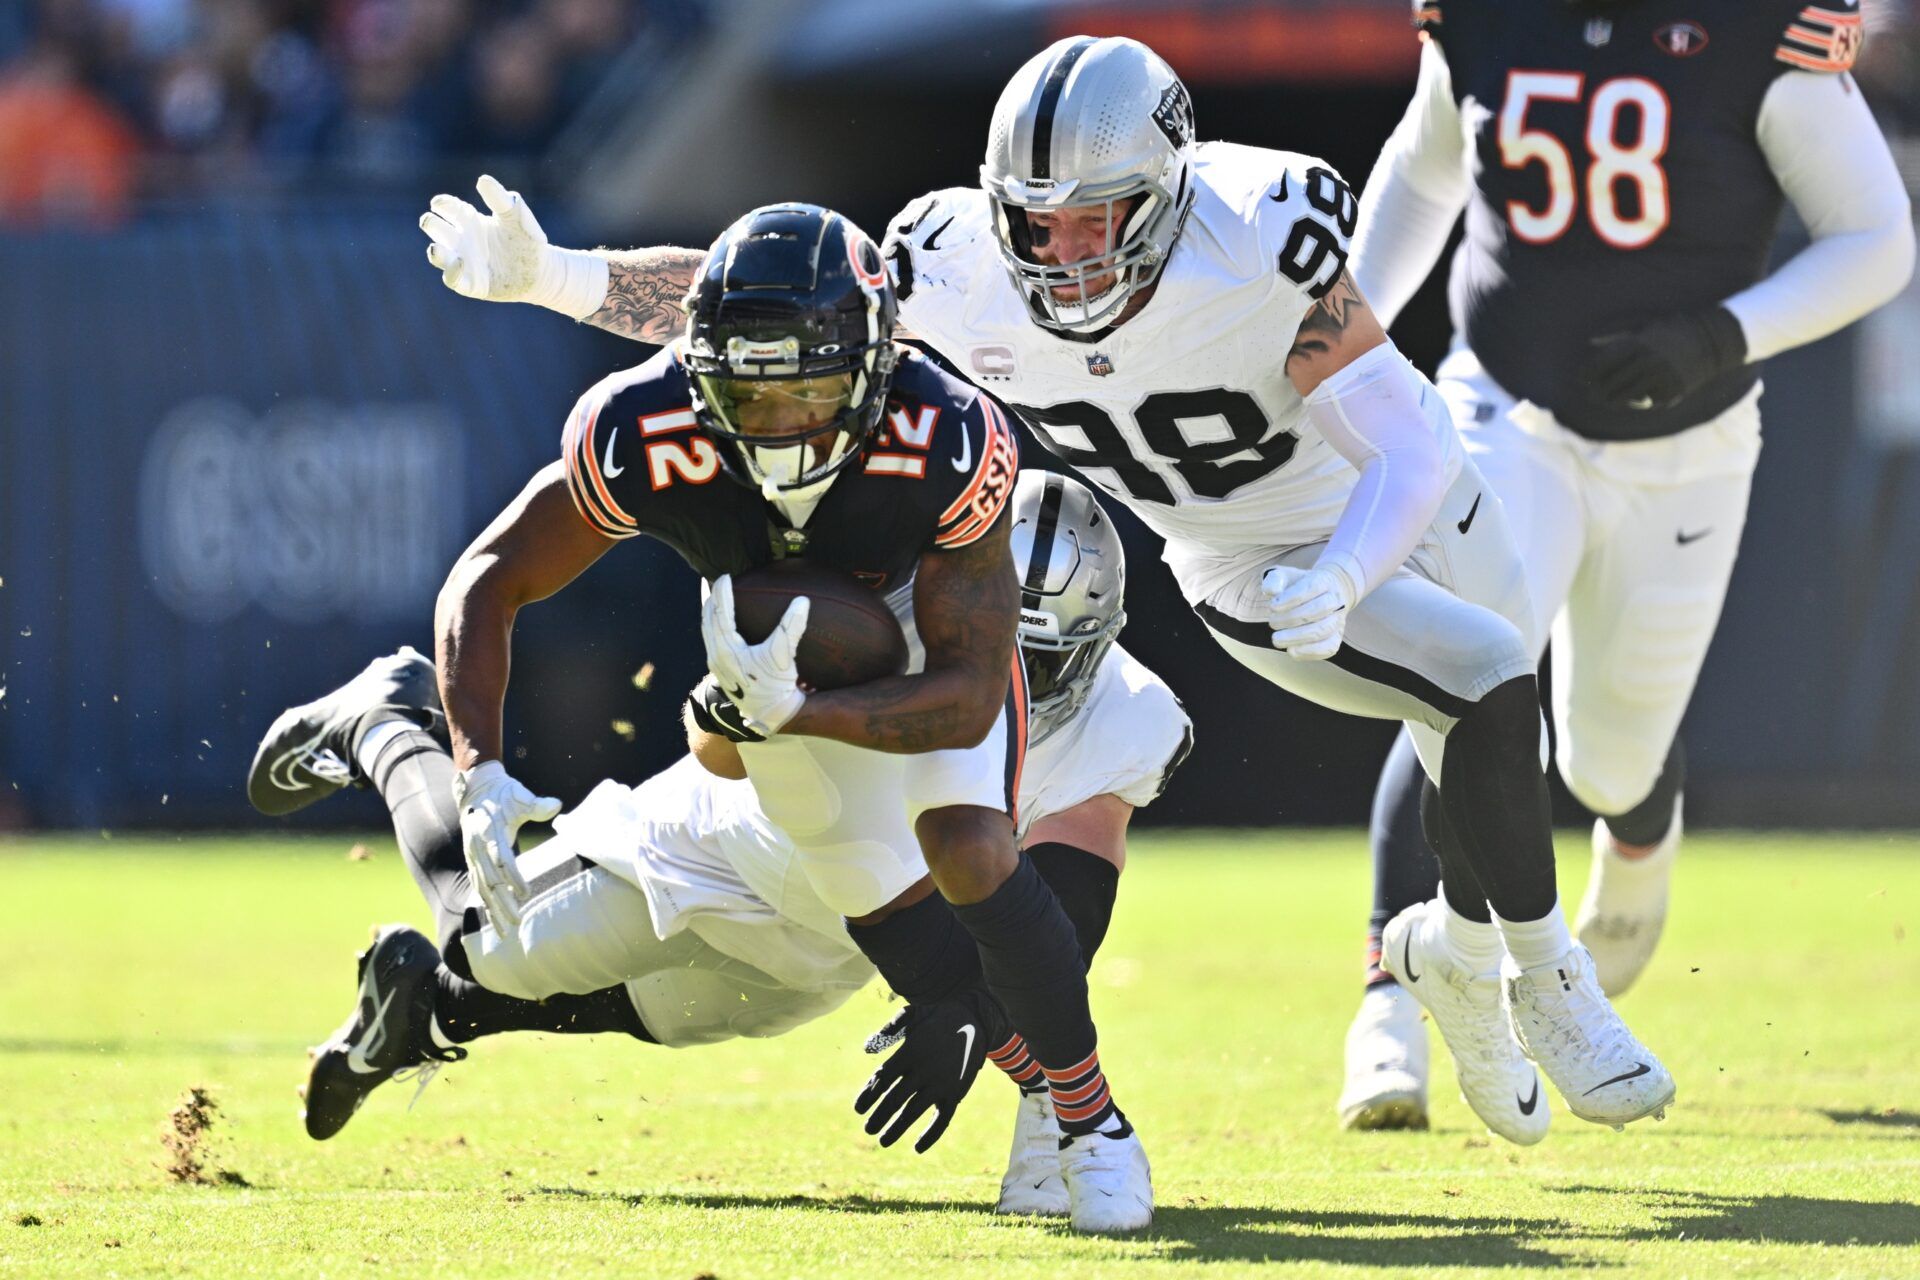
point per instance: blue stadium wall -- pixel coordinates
(239, 451)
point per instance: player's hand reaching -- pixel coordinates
(504, 256)
(493, 807)
(942, 1047)
(762, 680)
(1307, 610)
(1660, 364)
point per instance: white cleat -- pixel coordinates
(1034, 1183)
(1625, 906)
(1386, 1063)
(1109, 1184)
(1495, 1077)
(1566, 1025)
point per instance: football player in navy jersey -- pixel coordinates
(1622, 165)
(786, 422)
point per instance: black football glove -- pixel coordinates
(714, 712)
(1662, 363)
(942, 1047)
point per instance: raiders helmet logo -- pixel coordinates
(1174, 115)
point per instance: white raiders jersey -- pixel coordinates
(1184, 412)
(1125, 740)
(708, 859)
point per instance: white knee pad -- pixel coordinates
(588, 932)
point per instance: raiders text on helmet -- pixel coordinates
(1091, 122)
(789, 344)
(1073, 580)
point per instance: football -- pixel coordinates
(851, 636)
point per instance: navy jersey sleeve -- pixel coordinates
(1823, 36)
(984, 464)
(624, 443)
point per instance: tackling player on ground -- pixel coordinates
(1623, 165)
(673, 912)
(1176, 320)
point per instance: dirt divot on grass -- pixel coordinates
(188, 1140)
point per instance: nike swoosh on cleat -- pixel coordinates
(280, 772)
(357, 1055)
(1406, 961)
(1472, 511)
(966, 1054)
(1528, 1104)
(1640, 1069)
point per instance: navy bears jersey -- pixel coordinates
(1617, 177)
(936, 475)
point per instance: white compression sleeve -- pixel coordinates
(1377, 413)
(1416, 191)
(1829, 157)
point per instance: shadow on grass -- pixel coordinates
(1220, 1233)
(1887, 1117)
(1772, 1219)
(1362, 1238)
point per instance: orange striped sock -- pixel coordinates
(1014, 1059)
(1081, 1099)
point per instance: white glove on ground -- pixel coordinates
(503, 256)
(762, 680)
(1307, 610)
(492, 809)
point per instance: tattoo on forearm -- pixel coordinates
(1322, 326)
(967, 606)
(645, 288)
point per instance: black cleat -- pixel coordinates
(386, 1033)
(307, 754)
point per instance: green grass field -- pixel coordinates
(1786, 999)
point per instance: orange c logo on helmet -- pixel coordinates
(864, 255)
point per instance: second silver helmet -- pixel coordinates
(1073, 581)
(1086, 122)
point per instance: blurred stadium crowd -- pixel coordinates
(104, 102)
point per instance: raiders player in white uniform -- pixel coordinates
(1176, 321)
(676, 911)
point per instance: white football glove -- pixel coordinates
(492, 809)
(1307, 610)
(762, 680)
(503, 256)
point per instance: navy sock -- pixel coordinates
(466, 1011)
(1031, 958)
(1086, 885)
(921, 951)
(1494, 798)
(1405, 870)
(1648, 822)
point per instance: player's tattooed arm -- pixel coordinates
(966, 605)
(1336, 331)
(532, 549)
(645, 292)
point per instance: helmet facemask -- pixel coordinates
(1061, 668)
(1132, 256)
(788, 422)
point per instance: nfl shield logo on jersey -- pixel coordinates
(1681, 39)
(1099, 365)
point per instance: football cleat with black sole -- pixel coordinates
(385, 1036)
(307, 753)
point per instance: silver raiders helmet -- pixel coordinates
(1073, 579)
(1091, 121)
